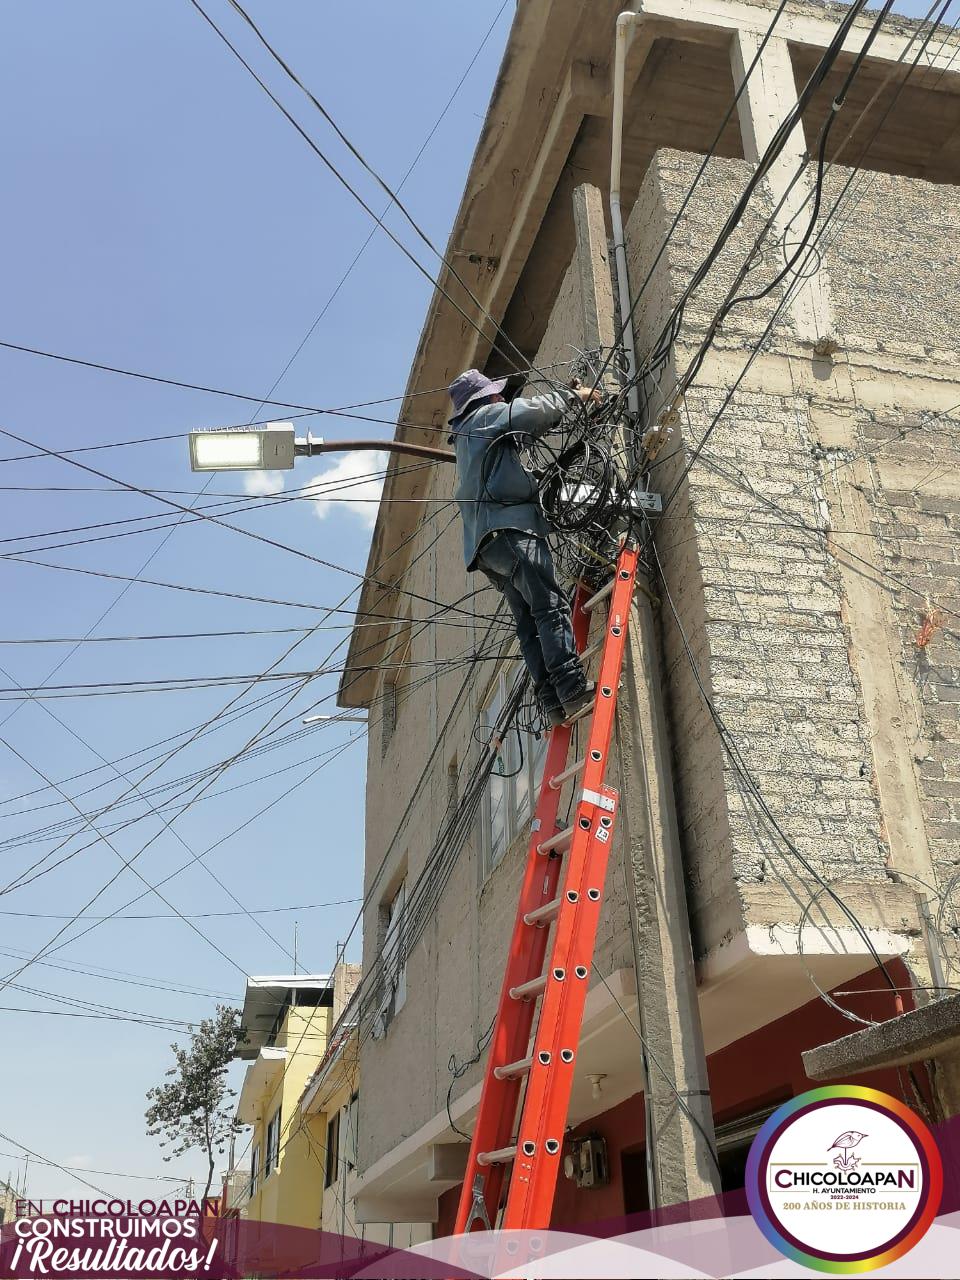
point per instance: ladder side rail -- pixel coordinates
(497, 1113)
(546, 1110)
(546, 1104)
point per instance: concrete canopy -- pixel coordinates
(928, 1032)
(267, 1066)
(547, 130)
(265, 998)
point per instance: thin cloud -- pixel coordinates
(263, 484)
(349, 477)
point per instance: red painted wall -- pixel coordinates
(758, 1070)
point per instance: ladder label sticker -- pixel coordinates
(603, 834)
(601, 801)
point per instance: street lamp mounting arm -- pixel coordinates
(313, 445)
(274, 447)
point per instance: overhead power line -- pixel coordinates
(521, 364)
(195, 915)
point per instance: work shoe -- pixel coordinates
(582, 700)
(555, 715)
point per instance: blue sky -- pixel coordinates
(162, 215)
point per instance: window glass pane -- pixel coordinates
(332, 1170)
(498, 790)
(520, 765)
(350, 1137)
(497, 818)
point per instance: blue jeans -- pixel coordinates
(521, 566)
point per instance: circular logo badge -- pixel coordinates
(844, 1179)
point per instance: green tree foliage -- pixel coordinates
(194, 1108)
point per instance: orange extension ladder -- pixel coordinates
(526, 1091)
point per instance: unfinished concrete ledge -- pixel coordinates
(929, 1032)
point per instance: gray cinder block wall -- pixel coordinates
(758, 555)
(850, 730)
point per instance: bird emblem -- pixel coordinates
(846, 1142)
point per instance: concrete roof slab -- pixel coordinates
(927, 1032)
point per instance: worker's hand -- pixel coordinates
(588, 395)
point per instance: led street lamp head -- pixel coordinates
(266, 448)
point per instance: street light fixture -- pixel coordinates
(273, 447)
(268, 448)
(315, 719)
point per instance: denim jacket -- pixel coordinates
(494, 491)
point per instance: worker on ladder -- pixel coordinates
(505, 531)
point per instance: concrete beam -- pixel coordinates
(769, 95)
(585, 91)
(716, 20)
(930, 1032)
(447, 1162)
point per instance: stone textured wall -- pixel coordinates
(890, 257)
(752, 548)
(754, 572)
(915, 465)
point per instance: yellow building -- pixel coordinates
(286, 1021)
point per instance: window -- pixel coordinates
(331, 1168)
(254, 1170)
(388, 715)
(352, 1134)
(512, 789)
(272, 1155)
(394, 680)
(393, 960)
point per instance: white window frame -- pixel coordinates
(516, 794)
(393, 955)
(333, 1147)
(272, 1146)
(350, 1134)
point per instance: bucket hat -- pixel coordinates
(472, 385)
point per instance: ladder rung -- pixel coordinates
(560, 841)
(593, 649)
(558, 779)
(584, 711)
(503, 1155)
(513, 1069)
(544, 914)
(601, 595)
(529, 990)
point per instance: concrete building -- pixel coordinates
(286, 1021)
(334, 1092)
(8, 1203)
(811, 575)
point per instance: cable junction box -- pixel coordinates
(586, 494)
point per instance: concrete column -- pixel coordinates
(770, 93)
(678, 1146)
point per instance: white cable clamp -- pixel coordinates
(654, 438)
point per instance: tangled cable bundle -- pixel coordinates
(583, 474)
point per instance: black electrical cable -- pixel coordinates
(815, 195)
(332, 168)
(733, 754)
(771, 152)
(521, 366)
(150, 887)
